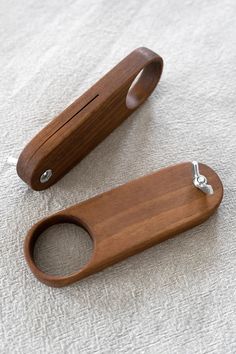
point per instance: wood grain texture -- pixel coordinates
(86, 122)
(132, 217)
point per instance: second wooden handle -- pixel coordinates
(84, 124)
(133, 217)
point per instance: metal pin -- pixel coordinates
(200, 181)
(45, 177)
(11, 161)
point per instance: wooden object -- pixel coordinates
(86, 122)
(133, 217)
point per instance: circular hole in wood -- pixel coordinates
(143, 84)
(63, 249)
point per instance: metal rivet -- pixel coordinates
(46, 176)
(201, 179)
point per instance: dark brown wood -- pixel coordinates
(86, 122)
(132, 217)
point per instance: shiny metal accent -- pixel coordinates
(12, 161)
(46, 176)
(200, 181)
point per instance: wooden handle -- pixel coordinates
(132, 217)
(86, 122)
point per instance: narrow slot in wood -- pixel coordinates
(54, 132)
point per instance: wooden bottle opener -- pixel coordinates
(86, 122)
(135, 216)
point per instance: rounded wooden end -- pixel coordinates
(144, 83)
(29, 247)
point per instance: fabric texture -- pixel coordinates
(179, 296)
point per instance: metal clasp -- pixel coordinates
(200, 181)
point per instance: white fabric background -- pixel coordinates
(178, 297)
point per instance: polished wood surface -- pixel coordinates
(86, 122)
(132, 217)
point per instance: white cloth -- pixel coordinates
(177, 297)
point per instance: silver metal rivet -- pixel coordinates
(12, 161)
(46, 176)
(201, 179)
